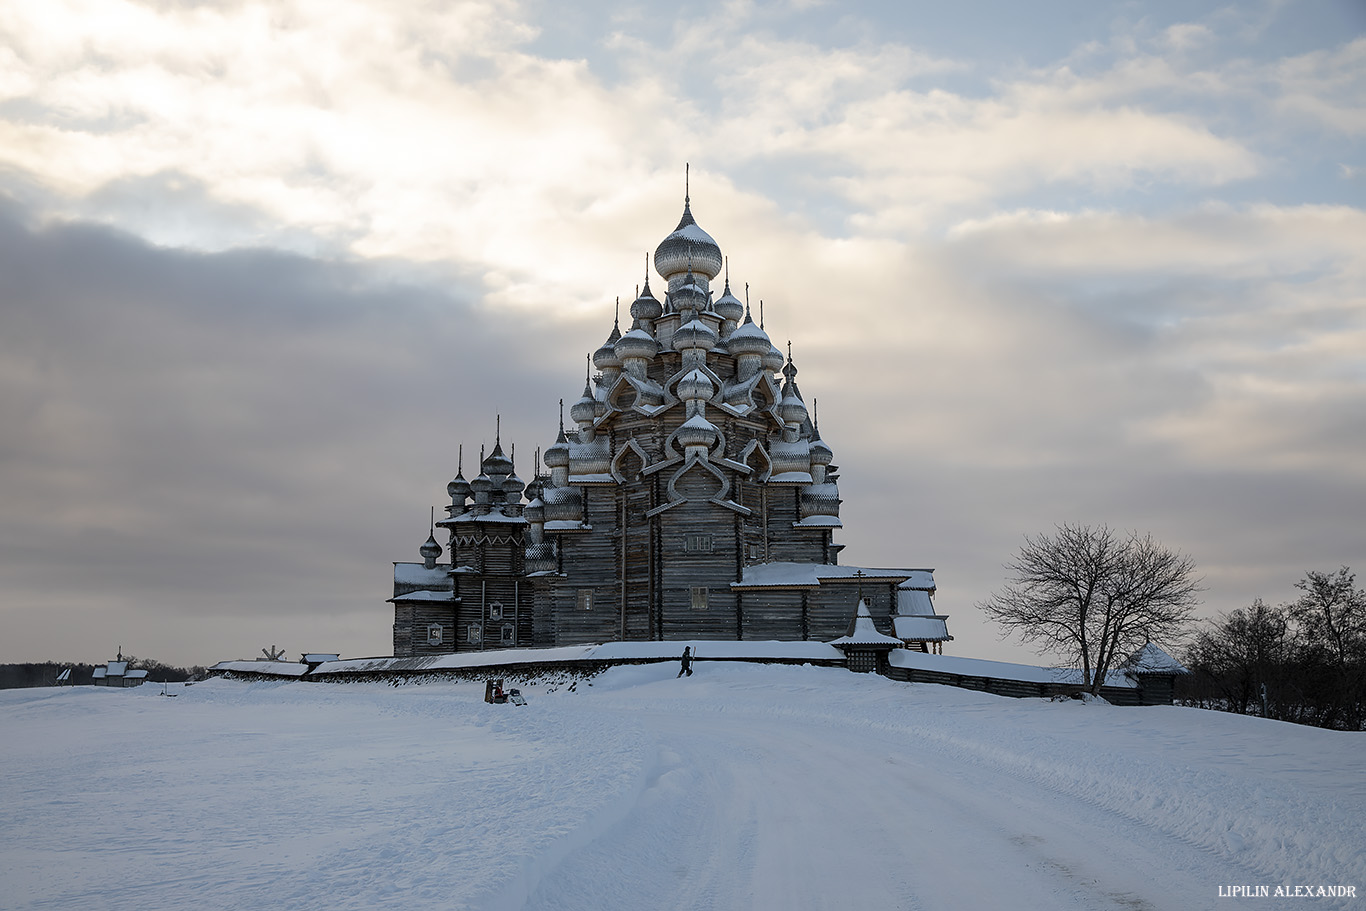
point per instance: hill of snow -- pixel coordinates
(741, 787)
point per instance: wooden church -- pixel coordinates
(693, 498)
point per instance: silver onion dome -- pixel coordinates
(688, 244)
(637, 343)
(605, 358)
(646, 306)
(695, 334)
(748, 338)
(728, 306)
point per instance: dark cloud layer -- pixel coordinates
(246, 435)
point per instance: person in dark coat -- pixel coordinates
(687, 662)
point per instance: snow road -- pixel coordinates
(742, 787)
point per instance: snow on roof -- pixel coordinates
(98, 673)
(493, 515)
(447, 595)
(419, 576)
(790, 477)
(135, 675)
(863, 632)
(920, 578)
(809, 575)
(312, 657)
(1000, 670)
(818, 522)
(703, 649)
(1152, 660)
(921, 629)
(913, 602)
(117, 668)
(567, 525)
(279, 668)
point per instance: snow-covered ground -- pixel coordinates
(743, 786)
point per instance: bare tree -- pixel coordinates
(1242, 656)
(1091, 596)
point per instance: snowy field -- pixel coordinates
(742, 787)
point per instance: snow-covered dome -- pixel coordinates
(430, 550)
(696, 385)
(688, 244)
(774, 359)
(728, 306)
(690, 295)
(646, 306)
(637, 343)
(748, 338)
(481, 485)
(534, 511)
(497, 464)
(513, 487)
(695, 334)
(458, 488)
(697, 431)
(557, 456)
(605, 358)
(586, 408)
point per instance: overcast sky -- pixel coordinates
(264, 266)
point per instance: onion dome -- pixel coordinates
(695, 334)
(557, 456)
(605, 358)
(728, 306)
(646, 306)
(697, 431)
(586, 408)
(458, 488)
(821, 453)
(688, 245)
(430, 550)
(690, 295)
(497, 464)
(513, 487)
(774, 359)
(637, 343)
(748, 338)
(792, 408)
(481, 485)
(696, 385)
(534, 511)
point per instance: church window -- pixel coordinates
(496, 610)
(476, 633)
(698, 544)
(585, 599)
(434, 634)
(699, 598)
(509, 634)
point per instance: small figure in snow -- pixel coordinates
(687, 662)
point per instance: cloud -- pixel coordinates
(247, 434)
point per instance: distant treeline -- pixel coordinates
(45, 673)
(1303, 662)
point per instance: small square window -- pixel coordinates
(585, 599)
(698, 544)
(434, 632)
(476, 633)
(699, 599)
(496, 611)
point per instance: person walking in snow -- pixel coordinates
(687, 662)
